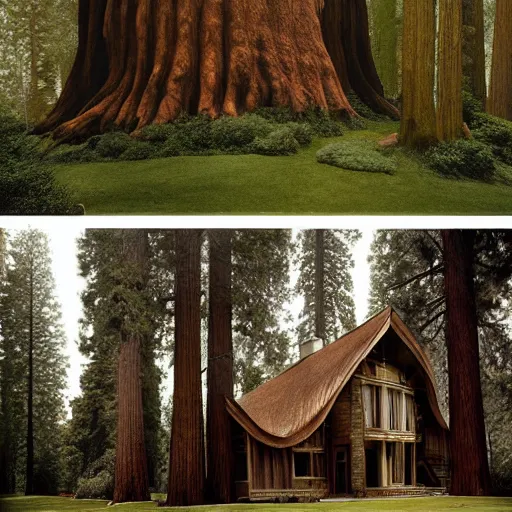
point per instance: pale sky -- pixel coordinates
(69, 285)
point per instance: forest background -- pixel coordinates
(271, 269)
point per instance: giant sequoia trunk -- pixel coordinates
(131, 473)
(220, 370)
(469, 465)
(346, 36)
(500, 93)
(148, 61)
(418, 126)
(187, 465)
(449, 90)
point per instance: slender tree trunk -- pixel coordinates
(418, 126)
(474, 48)
(469, 464)
(346, 35)
(29, 487)
(203, 56)
(385, 43)
(187, 465)
(449, 103)
(500, 94)
(319, 285)
(131, 474)
(220, 370)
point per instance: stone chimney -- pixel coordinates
(310, 346)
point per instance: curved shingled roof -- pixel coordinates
(289, 408)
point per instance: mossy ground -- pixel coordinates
(293, 185)
(51, 504)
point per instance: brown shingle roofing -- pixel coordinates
(289, 408)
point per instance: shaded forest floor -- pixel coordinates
(297, 184)
(36, 503)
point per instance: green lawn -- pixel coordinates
(252, 184)
(35, 504)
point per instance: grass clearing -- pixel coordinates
(53, 504)
(293, 185)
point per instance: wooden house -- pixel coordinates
(358, 417)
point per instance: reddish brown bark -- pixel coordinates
(220, 370)
(469, 464)
(345, 30)
(187, 465)
(131, 473)
(196, 56)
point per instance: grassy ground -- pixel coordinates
(35, 504)
(252, 184)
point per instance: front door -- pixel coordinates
(341, 470)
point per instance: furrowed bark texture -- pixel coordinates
(418, 125)
(473, 61)
(319, 285)
(449, 101)
(220, 370)
(346, 35)
(500, 94)
(469, 465)
(187, 465)
(131, 476)
(167, 57)
(131, 473)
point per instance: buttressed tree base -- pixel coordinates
(148, 61)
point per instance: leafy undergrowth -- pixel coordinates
(269, 133)
(47, 504)
(358, 156)
(486, 156)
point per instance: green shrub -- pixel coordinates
(98, 480)
(279, 142)
(238, 132)
(302, 132)
(495, 132)
(27, 183)
(66, 154)
(471, 107)
(364, 110)
(139, 150)
(158, 132)
(195, 133)
(462, 157)
(322, 122)
(356, 156)
(113, 144)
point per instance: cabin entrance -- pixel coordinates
(341, 472)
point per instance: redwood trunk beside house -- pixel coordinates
(470, 467)
(220, 370)
(359, 417)
(186, 457)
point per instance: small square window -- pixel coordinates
(302, 462)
